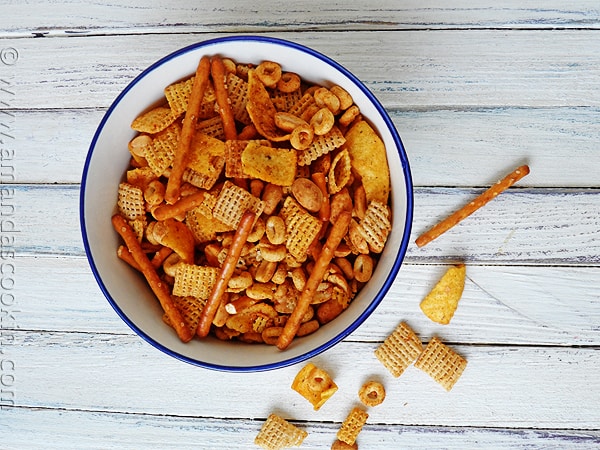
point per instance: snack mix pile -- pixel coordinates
(255, 205)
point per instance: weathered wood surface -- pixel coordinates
(474, 88)
(408, 69)
(68, 19)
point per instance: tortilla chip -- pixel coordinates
(270, 164)
(262, 111)
(369, 160)
(439, 305)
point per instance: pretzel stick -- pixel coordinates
(336, 234)
(124, 253)
(160, 256)
(227, 269)
(183, 205)
(473, 206)
(187, 132)
(159, 288)
(219, 75)
(248, 132)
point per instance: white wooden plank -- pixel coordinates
(475, 147)
(500, 304)
(520, 226)
(64, 429)
(77, 18)
(407, 70)
(445, 147)
(103, 372)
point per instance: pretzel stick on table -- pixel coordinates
(227, 269)
(336, 234)
(219, 75)
(473, 206)
(159, 288)
(187, 132)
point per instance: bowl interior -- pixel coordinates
(108, 158)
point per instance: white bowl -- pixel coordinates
(108, 159)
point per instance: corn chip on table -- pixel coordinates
(475, 89)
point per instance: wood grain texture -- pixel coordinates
(409, 70)
(520, 226)
(108, 431)
(475, 89)
(497, 390)
(65, 19)
(446, 147)
(500, 304)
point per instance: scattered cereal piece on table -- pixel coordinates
(441, 363)
(277, 433)
(314, 384)
(371, 393)
(399, 350)
(352, 425)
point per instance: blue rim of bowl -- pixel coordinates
(399, 256)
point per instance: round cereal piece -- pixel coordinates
(275, 230)
(322, 121)
(302, 136)
(269, 73)
(372, 393)
(363, 268)
(289, 82)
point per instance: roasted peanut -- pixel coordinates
(271, 334)
(298, 278)
(349, 115)
(280, 274)
(256, 187)
(345, 98)
(345, 266)
(240, 282)
(356, 237)
(288, 122)
(308, 194)
(154, 194)
(273, 253)
(271, 196)
(265, 271)
(261, 291)
(329, 310)
(138, 145)
(308, 327)
(258, 231)
(170, 264)
(324, 97)
(240, 304)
